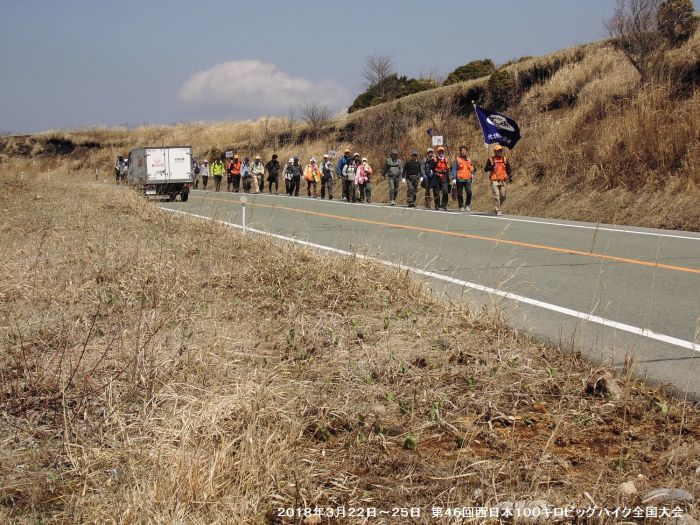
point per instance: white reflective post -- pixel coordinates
(243, 201)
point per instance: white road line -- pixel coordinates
(644, 332)
(493, 217)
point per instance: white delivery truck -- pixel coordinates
(161, 171)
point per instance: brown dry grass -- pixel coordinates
(157, 369)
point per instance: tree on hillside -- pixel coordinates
(377, 69)
(676, 20)
(316, 116)
(472, 70)
(634, 30)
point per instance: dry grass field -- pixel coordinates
(155, 369)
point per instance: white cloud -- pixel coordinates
(251, 88)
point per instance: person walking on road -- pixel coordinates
(246, 175)
(341, 166)
(312, 176)
(204, 167)
(196, 173)
(327, 177)
(364, 181)
(499, 172)
(429, 181)
(288, 175)
(393, 169)
(442, 172)
(462, 177)
(349, 174)
(412, 173)
(236, 169)
(229, 175)
(217, 170)
(296, 176)
(257, 172)
(273, 173)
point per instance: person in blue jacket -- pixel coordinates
(339, 170)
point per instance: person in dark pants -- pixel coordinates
(296, 176)
(412, 173)
(236, 167)
(349, 174)
(273, 172)
(217, 170)
(442, 170)
(429, 181)
(462, 177)
(393, 167)
(339, 170)
(204, 167)
(327, 177)
(288, 175)
(229, 175)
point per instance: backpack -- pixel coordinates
(197, 171)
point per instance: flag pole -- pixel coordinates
(486, 146)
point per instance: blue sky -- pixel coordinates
(73, 63)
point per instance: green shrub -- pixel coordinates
(500, 89)
(472, 70)
(676, 20)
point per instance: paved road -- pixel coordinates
(638, 290)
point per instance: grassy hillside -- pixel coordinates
(158, 369)
(597, 145)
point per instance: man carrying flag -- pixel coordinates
(501, 131)
(499, 172)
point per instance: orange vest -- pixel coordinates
(464, 169)
(498, 172)
(236, 168)
(442, 167)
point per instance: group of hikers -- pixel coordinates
(436, 173)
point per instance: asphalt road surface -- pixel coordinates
(609, 291)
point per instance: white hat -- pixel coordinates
(291, 159)
(364, 159)
(313, 159)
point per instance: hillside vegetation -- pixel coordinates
(598, 145)
(156, 369)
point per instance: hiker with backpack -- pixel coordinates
(289, 175)
(246, 175)
(273, 171)
(429, 181)
(217, 170)
(364, 182)
(312, 175)
(196, 173)
(349, 174)
(412, 174)
(327, 177)
(463, 171)
(393, 168)
(442, 173)
(344, 190)
(204, 171)
(257, 175)
(500, 173)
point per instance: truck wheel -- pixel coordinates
(184, 196)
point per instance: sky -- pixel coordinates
(87, 63)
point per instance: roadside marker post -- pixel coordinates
(243, 201)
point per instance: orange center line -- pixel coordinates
(468, 236)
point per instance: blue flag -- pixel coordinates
(430, 132)
(497, 128)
